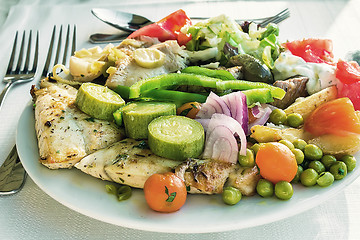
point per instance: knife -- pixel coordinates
(124, 21)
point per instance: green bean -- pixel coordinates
(325, 179)
(350, 162)
(309, 177)
(265, 188)
(328, 160)
(248, 160)
(231, 195)
(284, 190)
(313, 152)
(317, 166)
(339, 170)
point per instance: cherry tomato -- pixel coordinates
(312, 50)
(336, 117)
(167, 28)
(165, 192)
(276, 162)
(347, 72)
(189, 109)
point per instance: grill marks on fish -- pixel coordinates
(64, 135)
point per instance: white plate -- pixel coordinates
(200, 214)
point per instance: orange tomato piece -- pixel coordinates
(276, 162)
(336, 117)
(165, 192)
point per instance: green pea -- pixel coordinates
(255, 148)
(325, 179)
(299, 144)
(313, 152)
(309, 177)
(339, 170)
(296, 179)
(277, 116)
(248, 160)
(328, 160)
(231, 195)
(350, 162)
(287, 143)
(284, 190)
(317, 166)
(299, 155)
(265, 188)
(294, 120)
(124, 192)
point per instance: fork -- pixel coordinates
(262, 22)
(12, 173)
(20, 74)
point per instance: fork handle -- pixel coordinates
(4, 92)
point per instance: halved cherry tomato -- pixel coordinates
(167, 28)
(312, 50)
(276, 162)
(165, 192)
(347, 72)
(336, 117)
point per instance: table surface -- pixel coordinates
(31, 214)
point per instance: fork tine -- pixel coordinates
(48, 58)
(11, 62)
(27, 59)
(58, 47)
(73, 48)
(36, 54)
(276, 18)
(18, 66)
(66, 45)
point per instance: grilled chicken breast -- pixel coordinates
(127, 162)
(129, 72)
(66, 134)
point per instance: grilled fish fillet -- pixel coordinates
(66, 134)
(129, 72)
(127, 162)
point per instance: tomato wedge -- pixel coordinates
(351, 91)
(312, 50)
(347, 72)
(167, 28)
(337, 117)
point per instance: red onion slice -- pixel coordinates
(262, 115)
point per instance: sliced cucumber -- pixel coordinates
(137, 116)
(98, 101)
(176, 137)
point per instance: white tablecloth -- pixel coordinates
(31, 214)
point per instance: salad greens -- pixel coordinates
(209, 38)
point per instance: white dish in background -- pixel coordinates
(200, 214)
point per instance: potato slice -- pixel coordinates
(337, 145)
(264, 134)
(306, 105)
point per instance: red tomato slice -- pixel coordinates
(351, 91)
(347, 72)
(167, 28)
(336, 117)
(154, 30)
(312, 50)
(175, 21)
